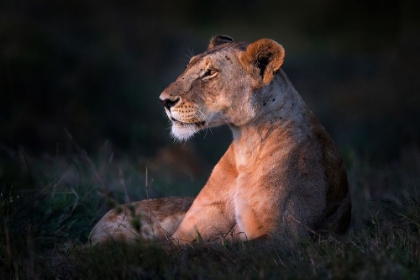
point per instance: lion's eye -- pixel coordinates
(209, 72)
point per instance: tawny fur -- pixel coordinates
(282, 175)
(156, 218)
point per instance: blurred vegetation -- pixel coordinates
(97, 69)
(43, 230)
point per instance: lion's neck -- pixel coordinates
(282, 115)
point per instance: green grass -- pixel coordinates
(49, 204)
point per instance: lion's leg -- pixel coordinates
(212, 216)
(300, 216)
(204, 222)
(154, 219)
(248, 225)
(339, 220)
(258, 216)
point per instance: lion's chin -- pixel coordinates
(183, 131)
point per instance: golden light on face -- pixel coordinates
(282, 174)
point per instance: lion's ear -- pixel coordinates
(263, 58)
(218, 40)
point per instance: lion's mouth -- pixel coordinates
(197, 124)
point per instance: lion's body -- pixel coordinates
(282, 174)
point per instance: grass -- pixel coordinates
(49, 204)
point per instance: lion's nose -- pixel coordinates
(169, 103)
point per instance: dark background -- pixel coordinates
(96, 69)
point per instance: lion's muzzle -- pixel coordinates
(168, 103)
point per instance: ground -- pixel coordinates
(49, 204)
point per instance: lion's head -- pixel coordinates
(218, 87)
(282, 174)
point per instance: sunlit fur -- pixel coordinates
(282, 175)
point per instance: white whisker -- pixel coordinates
(187, 56)
(190, 53)
(206, 124)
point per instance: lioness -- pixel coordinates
(282, 174)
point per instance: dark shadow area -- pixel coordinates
(82, 130)
(96, 69)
